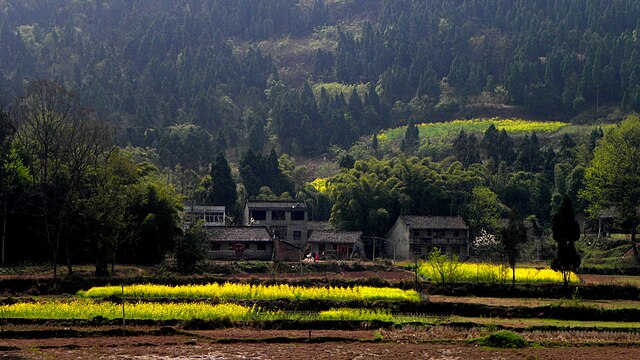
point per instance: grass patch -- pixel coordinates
(503, 339)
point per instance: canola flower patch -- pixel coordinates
(253, 292)
(84, 309)
(320, 184)
(479, 272)
(356, 314)
(88, 309)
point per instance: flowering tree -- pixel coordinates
(485, 246)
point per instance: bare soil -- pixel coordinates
(590, 279)
(256, 344)
(531, 302)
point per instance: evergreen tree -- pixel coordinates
(566, 232)
(511, 238)
(223, 188)
(411, 138)
(489, 144)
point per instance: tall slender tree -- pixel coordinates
(223, 188)
(566, 232)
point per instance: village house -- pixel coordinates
(328, 243)
(240, 243)
(286, 220)
(414, 235)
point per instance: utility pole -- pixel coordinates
(373, 256)
(416, 252)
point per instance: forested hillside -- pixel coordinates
(289, 90)
(253, 69)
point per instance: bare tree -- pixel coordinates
(62, 143)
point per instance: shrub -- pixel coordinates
(503, 339)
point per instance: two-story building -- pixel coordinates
(287, 220)
(414, 235)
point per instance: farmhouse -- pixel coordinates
(335, 244)
(240, 243)
(287, 220)
(418, 235)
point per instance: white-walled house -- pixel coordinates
(413, 235)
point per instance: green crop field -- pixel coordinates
(450, 128)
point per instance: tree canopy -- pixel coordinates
(612, 180)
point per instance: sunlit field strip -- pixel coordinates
(253, 292)
(490, 273)
(513, 126)
(88, 309)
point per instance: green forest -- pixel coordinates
(114, 113)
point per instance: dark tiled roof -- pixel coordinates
(239, 233)
(334, 236)
(276, 204)
(434, 222)
(320, 225)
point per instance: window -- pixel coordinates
(280, 232)
(456, 233)
(297, 235)
(322, 247)
(261, 247)
(429, 233)
(215, 246)
(416, 233)
(258, 215)
(297, 215)
(278, 215)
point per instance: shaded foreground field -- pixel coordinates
(242, 343)
(439, 328)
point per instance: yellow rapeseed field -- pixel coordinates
(253, 292)
(479, 272)
(356, 314)
(88, 309)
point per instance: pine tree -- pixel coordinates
(223, 188)
(411, 138)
